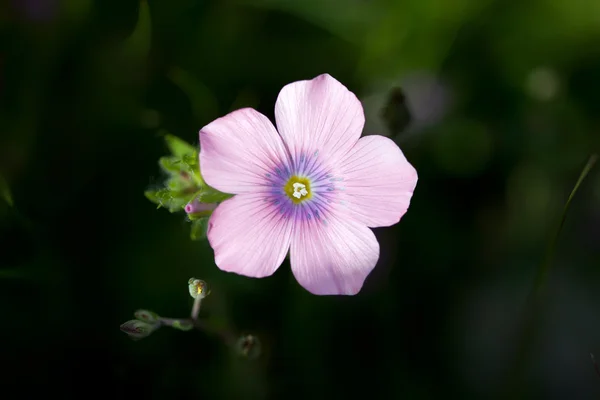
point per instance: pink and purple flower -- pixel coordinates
(312, 188)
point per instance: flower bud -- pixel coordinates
(137, 329)
(147, 316)
(195, 209)
(248, 346)
(198, 288)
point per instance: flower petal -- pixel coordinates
(379, 181)
(334, 256)
(238, 150)
(249, 235)
(320, 114)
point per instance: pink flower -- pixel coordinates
(313, 189)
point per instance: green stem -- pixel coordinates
(544, 268)
(532, 310)
(225, 335)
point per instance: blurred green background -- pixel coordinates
(504, 108)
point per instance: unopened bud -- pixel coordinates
(248, 346)
(147, 316)
(198, 288)
(196, 209)
(137, 329)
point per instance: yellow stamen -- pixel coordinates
(298, 189)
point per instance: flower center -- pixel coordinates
(298, 189)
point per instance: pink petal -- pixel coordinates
(320, 114)
(332, 257)
(379, 181)
(249, 235)
(238, 150)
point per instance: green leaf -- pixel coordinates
(178, 147)
(137, 45)
(185, 181)
(5, 192)
(158, 196)
(178, 184)
(171, 165)
(199, 229)
(210, 195)
(191, 160)
(165, 198)
(184, 159)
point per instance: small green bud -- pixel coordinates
(137, 329)
(183, 325)
(147, 316)
(198, 288)
(248, 346)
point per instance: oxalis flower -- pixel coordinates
(313, 189)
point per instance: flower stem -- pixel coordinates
(225, 335)
(535, 298)
(196, 308)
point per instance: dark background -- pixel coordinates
(504, 104)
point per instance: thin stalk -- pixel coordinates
(535, 298)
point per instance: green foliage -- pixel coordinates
(210, 195)
(167, 198)
(183, 184)
(199, 229)
(179, 148)
(183, 181)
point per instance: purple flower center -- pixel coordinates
(304, 190)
